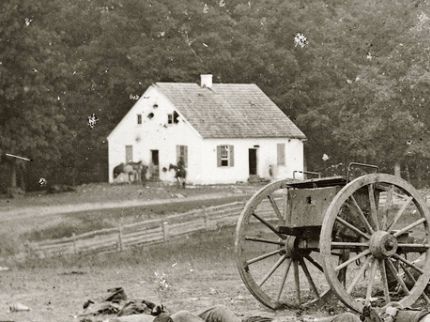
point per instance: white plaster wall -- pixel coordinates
(155, 134)
(266, 155)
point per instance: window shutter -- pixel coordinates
(178, 153)
(186, 155)
(218, 154)
(281, 153)
(231, 152)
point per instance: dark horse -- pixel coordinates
(180, 173)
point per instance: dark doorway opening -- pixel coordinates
(156, 165)
(252, 162)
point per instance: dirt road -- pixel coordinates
(23, 213)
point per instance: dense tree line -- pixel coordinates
(359, 88)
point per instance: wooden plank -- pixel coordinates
(142, 232)
(143, 239)
(53, 246)
(142, 236)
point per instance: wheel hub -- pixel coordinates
(290, 246)
(383, 244)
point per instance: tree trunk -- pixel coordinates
(13, 174)
(419, 173)
(21, 176)
(407, 173)
(397, 169)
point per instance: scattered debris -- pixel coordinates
(300, 40)
(117, 304)
(87, 304)
(213, 291)
(18, 307)
(4, 269)
(161, 279)
(117, 295)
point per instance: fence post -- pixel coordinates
(75, 250)
(120, 246)
(165, 231)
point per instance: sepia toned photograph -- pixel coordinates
(214, 160)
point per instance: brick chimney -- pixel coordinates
(206, 80)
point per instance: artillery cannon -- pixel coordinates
(365, 240)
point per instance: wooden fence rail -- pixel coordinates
(145, 232)
(154, 230)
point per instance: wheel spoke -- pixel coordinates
(275, 207)
(400, 213)
(362, 216)
(412, 278)
(267, 224)
(405, 229)
(262, 240)
(286, 204)
(371, 280)
(373, 210)
(359, 274)
(415, 247)
(313, 262)
(297, 280)
(352, 227)
(385, 188)
(264, 256)
(396, 275)
(384, 280)
(410, 264)
(387, 207)
(284, 278)
(351, 260)
(272, 270)
(343, 245)
(309, 277)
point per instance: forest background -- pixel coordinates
(359, 88)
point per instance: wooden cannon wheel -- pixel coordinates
(272, 267)
(387, 222)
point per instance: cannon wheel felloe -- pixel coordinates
(384, 224)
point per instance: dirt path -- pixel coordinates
(23, 213)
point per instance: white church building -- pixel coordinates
(225, 133)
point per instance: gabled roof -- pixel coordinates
(230, 111)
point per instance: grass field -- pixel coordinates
(200, 270)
